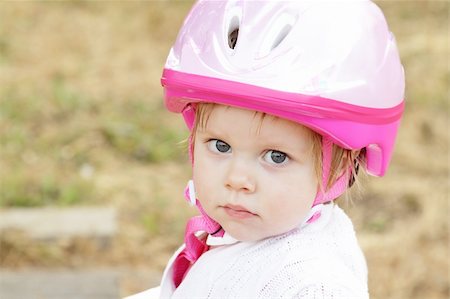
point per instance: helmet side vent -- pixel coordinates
(281, 35)
(233, 32)
(277, 30)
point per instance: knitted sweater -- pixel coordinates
(317, 260)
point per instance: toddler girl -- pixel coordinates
(285, 101)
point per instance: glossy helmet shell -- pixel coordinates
(332, 66)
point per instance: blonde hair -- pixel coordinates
(342, 160)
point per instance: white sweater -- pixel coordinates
(318, 260)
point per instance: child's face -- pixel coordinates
(253, 176)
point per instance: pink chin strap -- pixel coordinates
(337, 189)
(341, 184)
(195, 247)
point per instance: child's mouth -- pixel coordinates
(237, 211)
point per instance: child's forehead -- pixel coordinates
(254, 122)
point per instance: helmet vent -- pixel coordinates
(232, 38)
(281, 36)
(278, 30)
(233, 32)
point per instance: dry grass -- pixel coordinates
(81, 121)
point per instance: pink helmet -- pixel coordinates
(332, 66)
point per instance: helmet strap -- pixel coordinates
(325, 195)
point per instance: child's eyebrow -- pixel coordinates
(206, 130)
(296, 147)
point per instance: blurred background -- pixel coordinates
(92, 167)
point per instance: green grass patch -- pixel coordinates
(20, 190)
(16, 107)
(139, 131)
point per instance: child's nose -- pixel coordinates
(239, 177)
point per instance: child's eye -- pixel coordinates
(217, 145)
(275, 157)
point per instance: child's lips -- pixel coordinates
(239, 212)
